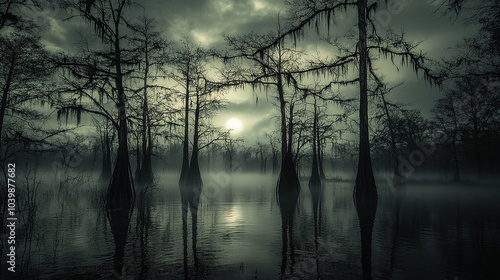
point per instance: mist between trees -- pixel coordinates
(126, 101)
(115, 100)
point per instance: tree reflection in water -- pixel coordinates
(316, 193)
(119, 213)
(287, 199)
(366, 208)
(194, 213)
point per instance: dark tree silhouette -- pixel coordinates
(25, 68)
(469, 110)
(478, 55)
(190, 73)
(106, 142)
(150, 49)
(261, 152)
(231, 146)
(15, 13)
(119, 214)
(273, 68)
(474, 72)
(445, 113)
(100, 77)
(8, 15)
(388, 119)
(315, 179)
(270, 69)
(366, 208)
(406, 131)
(365, 182)
(187, 62)
(274, 152)
(305, 14)
(206, 103)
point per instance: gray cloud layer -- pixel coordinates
(205, 21)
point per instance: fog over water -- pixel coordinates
(249, 139)
(429, 230)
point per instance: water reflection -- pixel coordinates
(119, 213)
(287, 199)
(366, 208)
(316, 195)
(194, 234)
(143, 225)
(423, 232)
(398, 197)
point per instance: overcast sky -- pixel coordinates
(205, 21)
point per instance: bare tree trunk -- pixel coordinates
(320, 155)
(106, 157)
(120, 187)
(149, 154)
(231, 158)
(288, 178)
(477, 144)
(185, 148)
(275, 161)
(281, 94)
(106, 165)
(456, 174)
(5, 92)
(146, 171)
(365, 181)
(138, 177)
(193, 181)
(262, 161)
(290, 129)
(314, 180)
(394, 153)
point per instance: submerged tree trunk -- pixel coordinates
(288, 179)
(365, 191)
(320, 158)
(365, 181)
(120, 187)
(193, 181)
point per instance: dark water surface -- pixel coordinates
(429, 231)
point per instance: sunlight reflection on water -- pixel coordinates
(437, 232)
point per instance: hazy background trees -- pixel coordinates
(150, 50)
(125, 73)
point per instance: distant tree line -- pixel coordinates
(140, 99)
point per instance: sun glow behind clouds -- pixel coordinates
(234, 124)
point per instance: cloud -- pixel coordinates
(205, 21)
